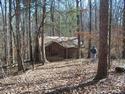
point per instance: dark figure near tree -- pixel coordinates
(93, 51)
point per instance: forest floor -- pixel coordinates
(66, 77)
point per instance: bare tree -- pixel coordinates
(19, 60)
(78, 27)
(90, 27)
(40, 34)
(10, 32)
(123, 52)
(81, 16)
(41, 30)
(103, 45)
(29, 33)
(52, 16)
(110, 29)
(37, 57)
(95, 15)
(3, 27)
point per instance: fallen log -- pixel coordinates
(120, 69)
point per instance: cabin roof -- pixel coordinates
(66, 42)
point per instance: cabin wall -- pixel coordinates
(55, 52)
(72, 53)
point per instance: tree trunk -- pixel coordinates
(37, 57)
(123, 52)
(90, 28)
(41, 30)
(81, 23)
(81, 18)
(59, 21)
(27, 49)
(78, 27)
(23, 33)
(3, 19)
(40, 33)
(10, 32)
(29, 33)
(19, 60)
(52, 16)
(96, 15)
(110, 29)
(6, 33)
(103, 45)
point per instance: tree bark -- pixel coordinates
(30, 33)
(5, 30)
(90, 28)
(96, 15)
(3, 20)
(37, 57)
(19, 60)
(52, 16)
(78, 27)
(123, 52)
(81, 18)
(40, 34)
(103, 44)
(110, 30)
(10, 33)
(41, 30)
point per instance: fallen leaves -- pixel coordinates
(63, 74)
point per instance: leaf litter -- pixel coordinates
(57, 75)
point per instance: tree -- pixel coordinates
(29, 33)
(123, 52)
(81, 17)
(110, 29)
(17, 12)
(103, 45)
(52, 16)
(40, 35)
(41, 32)
(95, 15)
(36, 49)
(4, 31)
(10, 45)
(90, 27)
(5, 28)
(78, 27)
